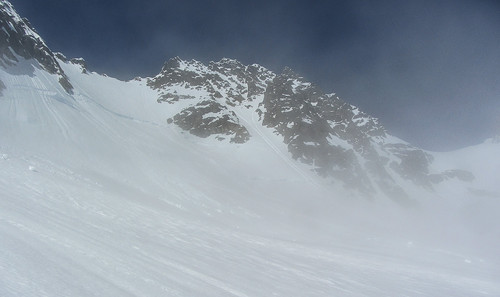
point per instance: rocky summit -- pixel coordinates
(336, 139)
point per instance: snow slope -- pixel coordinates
(99, 196)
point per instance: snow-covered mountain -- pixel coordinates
(336, 139)
(224, 99)
(224, 180)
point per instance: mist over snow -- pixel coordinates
(97, 202)
(225, 179)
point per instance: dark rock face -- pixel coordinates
(227, 79)
(462, 175)
(324, 131)
(2, 87)
(19, 39)
(81, 62)
(208, 118)
(220, 86)
(307, 119)
(413, 163)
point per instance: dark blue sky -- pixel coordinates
(430, 70)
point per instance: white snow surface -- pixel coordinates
(99, 196)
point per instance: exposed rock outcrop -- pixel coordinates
(18, 39)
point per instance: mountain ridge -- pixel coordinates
(319, 129)
(19, 39)
(335, 139)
